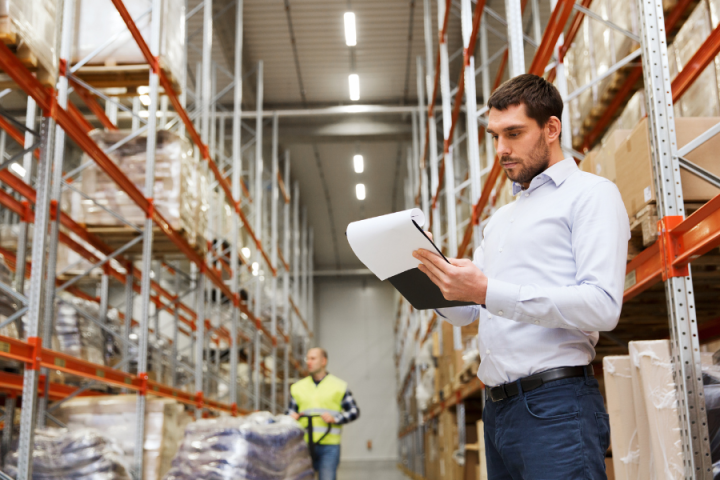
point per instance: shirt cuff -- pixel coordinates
(501, 298)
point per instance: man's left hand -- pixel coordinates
(459, 280)
(327, 418)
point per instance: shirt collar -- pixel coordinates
(558, 173)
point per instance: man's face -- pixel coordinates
(315, 361)
(520, 143)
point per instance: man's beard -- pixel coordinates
(537, 163)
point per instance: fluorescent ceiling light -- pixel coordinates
(360, 191)
(143, 90)
(358, 162)
(350, 33)
(17, 168)
(354, 83)
(145, 100)
(246, 252)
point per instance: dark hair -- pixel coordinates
(540, 97)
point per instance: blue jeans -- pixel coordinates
(326, 459)
(557, 431)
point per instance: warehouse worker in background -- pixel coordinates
(548, 276)
(328, 397)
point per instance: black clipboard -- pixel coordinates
(419, 290)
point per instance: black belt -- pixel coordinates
(507, 390)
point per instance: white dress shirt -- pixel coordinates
(555, 261)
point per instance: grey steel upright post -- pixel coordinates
(473, 147)
(35, 304)
(204, 99)
(176, 328)
(236, 179)
(274, 260)
(678, 286)
(432, 125)
(311, 282)
(303, 265)
(485, 75)
(422, 117)
(295, 264)
(145, 285)
(257, 201)
(286, 284)
(561, 83)
(68, 29)
(129, 297)
(30, 114)
(516, 57)
(447, 148)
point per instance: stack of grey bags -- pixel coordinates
(256, 447)
(64, 455)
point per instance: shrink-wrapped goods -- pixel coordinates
(257, 447)
(701, 98)
(711, 390)
(62, 454)
(30, 26)
(90, 34)
(656, 409)
(8, 305)
(578, 71)
(176, 191)
(115, 416)
(623, 425)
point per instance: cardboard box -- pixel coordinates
(653, 360)
(623, 426)
(644, 449)
(605, 158)
(634, 169)
(115, 416)
(482, 473)
(588, 163)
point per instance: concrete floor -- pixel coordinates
(386, 470)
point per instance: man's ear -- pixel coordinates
(553, 128)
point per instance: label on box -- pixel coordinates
(630, 280)
(647, 193)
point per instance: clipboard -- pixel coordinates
(385, 244)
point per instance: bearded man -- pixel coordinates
(547, 278)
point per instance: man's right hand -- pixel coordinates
(295, 415)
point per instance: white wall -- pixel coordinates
(355, 319)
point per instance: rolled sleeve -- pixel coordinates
(502, 298)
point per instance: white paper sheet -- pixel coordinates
(385, 244)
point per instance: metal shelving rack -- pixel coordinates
(210, 325)
(680, 240)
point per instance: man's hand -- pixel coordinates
(327, 418)
(458, 280)
(295, 415)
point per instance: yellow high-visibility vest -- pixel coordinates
(326, 397)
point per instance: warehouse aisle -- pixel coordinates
(381, 470)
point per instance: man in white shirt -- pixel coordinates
(548, 276)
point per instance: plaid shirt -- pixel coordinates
(350, 411)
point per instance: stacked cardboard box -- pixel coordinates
(634, 167)
(115, 416)
(450, 361)
(642, 402)
(450, 468)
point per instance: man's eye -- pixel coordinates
(494, 137)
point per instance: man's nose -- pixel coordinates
(502, 147)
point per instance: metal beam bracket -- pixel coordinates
(670, 247)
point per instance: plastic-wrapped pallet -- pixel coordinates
(175, 191)
(579, 73)
(116, 417)
(701, 98)
(623, 425)
(91, 34)
(656, 411)
(711, 390)
(257, 447)
(30, 25)
(76, 335)
(82, 454)
(8, 305)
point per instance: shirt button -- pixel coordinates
(489, 316)
(500, 312)
(487, 352)
(501, 250)
(537, 323)
(512, 220)
(527, 194)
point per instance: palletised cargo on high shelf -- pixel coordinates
(120, 63)
(28, 28)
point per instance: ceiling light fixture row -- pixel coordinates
(351, 41)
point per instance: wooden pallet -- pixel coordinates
(24, 53)
(117, 236)
(129, 77)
